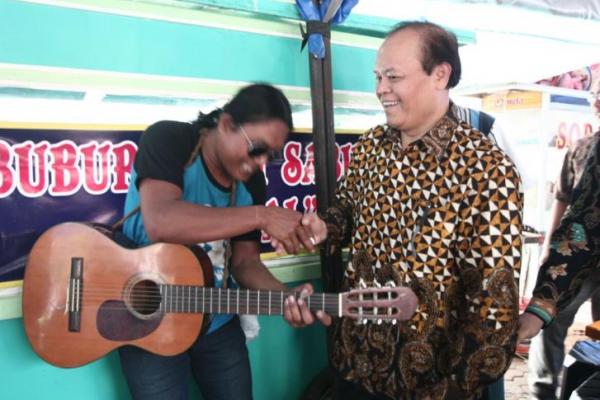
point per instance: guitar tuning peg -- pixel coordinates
(376, 284)
(394, 322)
(379, 321)
(364, 321)
(390, 284)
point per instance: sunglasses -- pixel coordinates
(259, 150)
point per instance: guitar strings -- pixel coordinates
(108, 289)
(149, 300)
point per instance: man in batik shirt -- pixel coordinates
(431, 204)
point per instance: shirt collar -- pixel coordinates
(435, 140)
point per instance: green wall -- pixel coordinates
(25, 376)
(62, 37)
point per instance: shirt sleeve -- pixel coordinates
(164, 150)
(338, 217)
(574, 246)
(489, 259)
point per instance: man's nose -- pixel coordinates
(382, 87)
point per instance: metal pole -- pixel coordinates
(325, 164)
(324, 150)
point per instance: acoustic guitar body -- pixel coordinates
(84, 296)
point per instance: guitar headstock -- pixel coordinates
(379, 303)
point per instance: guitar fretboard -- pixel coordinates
(199, 299)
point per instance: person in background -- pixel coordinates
(200, 183)
(432, 205)
(547, 350)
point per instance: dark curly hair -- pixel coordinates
(253, 103)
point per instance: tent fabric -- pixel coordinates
(573, 8)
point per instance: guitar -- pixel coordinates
(84, 296)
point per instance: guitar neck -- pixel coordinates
(199, 299)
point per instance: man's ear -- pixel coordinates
(226, 124)
(441, 74)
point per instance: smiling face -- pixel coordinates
(234, 145)
(412, 100)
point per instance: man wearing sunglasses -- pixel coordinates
(201, 183)
(259, 149)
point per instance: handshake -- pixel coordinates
(290, 230)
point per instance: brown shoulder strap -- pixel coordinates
(228, 252)
(120, 222)
(196, 150)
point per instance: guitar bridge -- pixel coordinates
(75, 288)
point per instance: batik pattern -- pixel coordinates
(574, 245)
(443, 217)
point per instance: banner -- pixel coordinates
(50, 176)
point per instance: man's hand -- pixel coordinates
(309, 233)
(296, 312)
(281, 224)
(529, 326)
(315, 228)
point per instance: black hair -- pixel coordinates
(253, 103)
(437, 46)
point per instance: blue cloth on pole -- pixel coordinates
(310, 12)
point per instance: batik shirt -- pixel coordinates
(443, 217)
(574, 245)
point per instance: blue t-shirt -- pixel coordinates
(197, 185)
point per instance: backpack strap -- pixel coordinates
(474, 119)
(486, 121)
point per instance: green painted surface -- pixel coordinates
(228, 16)
(10, 306)
(273, 8)
(366, 25)
(26, 376)
(90, 40)
(283, 360)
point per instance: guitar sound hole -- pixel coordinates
(145, 297)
